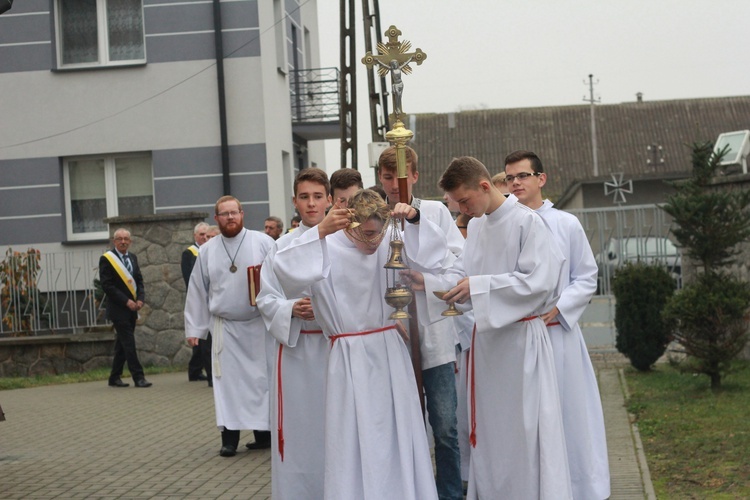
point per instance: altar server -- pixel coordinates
(375, 440)
(583, 418)
(300, 360)
(507, 275)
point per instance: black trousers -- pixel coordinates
(125, 350)
(195, 365)
(205, 350)
(201, 359)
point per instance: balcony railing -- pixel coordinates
(315, 95)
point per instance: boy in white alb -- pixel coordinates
(507, 275)
(583, 418)
(300, 361)
(437, 340)
(375, 441)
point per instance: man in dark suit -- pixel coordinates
(122, 283)
(201, 357)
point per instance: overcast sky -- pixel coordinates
(528, 53)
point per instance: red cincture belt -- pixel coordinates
(472, 392)
(554, 323)
(280, 395)
(333, 338)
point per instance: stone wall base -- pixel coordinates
(80, 352)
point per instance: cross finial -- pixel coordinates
(394, 57)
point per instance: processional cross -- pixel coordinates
(394, 58)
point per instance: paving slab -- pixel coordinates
(88, 440)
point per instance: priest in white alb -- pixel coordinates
(218, 300)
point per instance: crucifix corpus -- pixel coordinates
(394, 57)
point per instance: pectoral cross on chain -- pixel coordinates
(394, 57)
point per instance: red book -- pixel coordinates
(253, 282)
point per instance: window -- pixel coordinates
(100, 32)
(101, 187)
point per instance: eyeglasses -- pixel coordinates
(521, 176)
(233, 213)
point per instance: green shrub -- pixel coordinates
(641, 291)
(710, 316)
(709, 319)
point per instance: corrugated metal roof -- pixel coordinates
(561, 136)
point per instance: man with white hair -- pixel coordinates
(201, 357)
(122, 283)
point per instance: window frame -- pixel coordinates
(103, 60)
(110, 191)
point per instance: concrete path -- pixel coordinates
(88, 440)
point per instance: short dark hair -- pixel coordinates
(464, 171)
(313, 174)
(379, 190)
(389, 160)
(344, 178)
(522, 154)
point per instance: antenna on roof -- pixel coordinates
(657, 155)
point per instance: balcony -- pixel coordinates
(315, 102)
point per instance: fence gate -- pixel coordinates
(619, 235)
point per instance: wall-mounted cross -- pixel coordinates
(618, 187)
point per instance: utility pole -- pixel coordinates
(591, 100)
(348, 84)
(378, 99)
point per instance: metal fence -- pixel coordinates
(628, 234)
(60, 296)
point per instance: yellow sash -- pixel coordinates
(193, 249)
(122, 271)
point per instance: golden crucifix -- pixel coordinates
(394, 57)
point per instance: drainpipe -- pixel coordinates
(218, 43)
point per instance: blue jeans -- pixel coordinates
(440, 392)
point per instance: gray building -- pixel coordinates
(137, 107)
(629, 136)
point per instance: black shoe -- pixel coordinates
(255, 445)
(228, 451)
(118, 383)
(200, 377)
(143, 383)
(210, 383)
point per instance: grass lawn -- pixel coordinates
(71, 378)
(697, 443)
